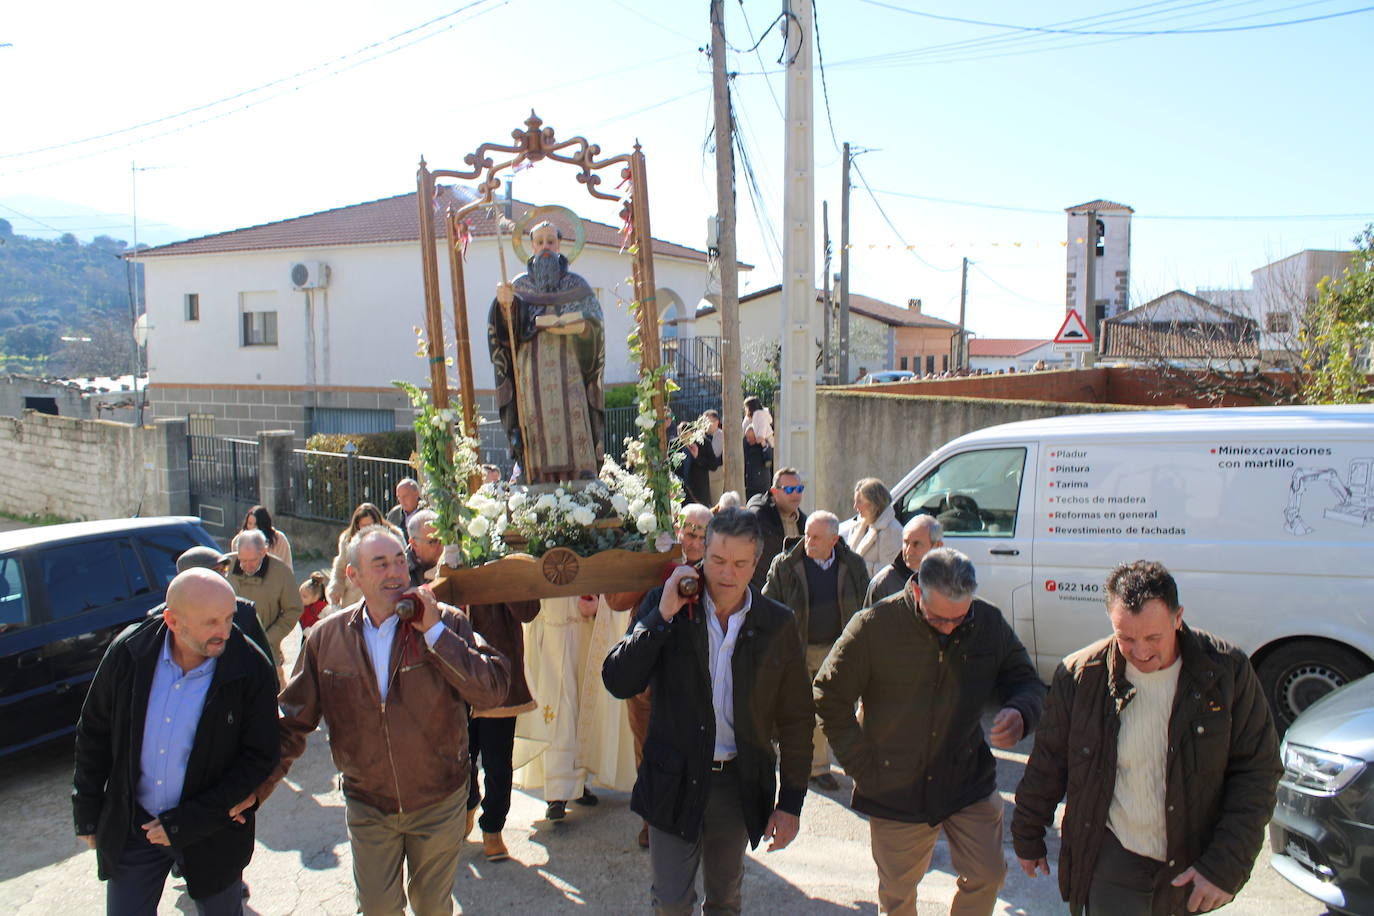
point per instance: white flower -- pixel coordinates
(547, 501)
(437, 422)
(566, 503)
(620, 504)
(518, 499)
(636, 507)
(560, 493)
(583, 516)
(663, 541)
(645, 421)
(478, 526)
(501, 524)
(646, 523)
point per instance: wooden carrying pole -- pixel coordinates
(645, 291)
(434, 317)
(463, 349)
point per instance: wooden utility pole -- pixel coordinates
(845, 376)
(732, 397)
(961, 354)
(796, 427)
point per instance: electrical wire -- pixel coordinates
(759, 57)
(825, 85)
(1140, 33)
(895, 231)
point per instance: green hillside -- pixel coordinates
(51, 289)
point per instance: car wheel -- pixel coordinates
(1296, 675)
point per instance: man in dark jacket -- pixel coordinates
(727, 676)
(1162, 739)
(823, 582)
(920, 535)
(701, 459)
(925, 663)
(245, 613)
(780, 516)
(179, 727)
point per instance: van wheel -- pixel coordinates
(1296, 675)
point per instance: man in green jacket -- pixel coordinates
(925, 662)
(1162, 739)
(268, 583)
(823, 582)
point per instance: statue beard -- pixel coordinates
(546, 271)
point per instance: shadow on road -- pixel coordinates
(35, 796)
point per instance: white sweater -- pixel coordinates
(1136, 814)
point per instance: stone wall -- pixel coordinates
(90, 469)
(861, 434)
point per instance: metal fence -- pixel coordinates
(221, 466)
(328, 486)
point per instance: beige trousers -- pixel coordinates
(820, 750)
(902, 852)
(426, 841)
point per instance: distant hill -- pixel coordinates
(56, 288)
(48, 218)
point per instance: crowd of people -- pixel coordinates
(783, 643)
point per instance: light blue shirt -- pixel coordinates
(175, 703)
(825, 564)
(722, 651)
(378, 640)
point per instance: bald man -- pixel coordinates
(148, 794)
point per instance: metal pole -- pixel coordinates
(827, 360)
(1089, 315)
(961, 353)
(732, 397)
(845, 378)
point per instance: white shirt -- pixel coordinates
(825, 564)
(722, 650)
(378, 640)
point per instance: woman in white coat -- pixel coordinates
(874, 532)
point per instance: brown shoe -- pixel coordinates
(472, 819)
(644, 837)
(494, 848)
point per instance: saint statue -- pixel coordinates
(549, 389)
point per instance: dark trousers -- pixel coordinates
(136, 884)
(493, 741)
(1124, 882)
(718, 850)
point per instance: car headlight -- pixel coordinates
(1318, 772)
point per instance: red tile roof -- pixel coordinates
(391, 219)
(1002, 346)
(1138, 341)
(893, 315)
(1098, 205)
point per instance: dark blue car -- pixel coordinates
(65, 592)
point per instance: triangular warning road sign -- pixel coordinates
(1073, 330)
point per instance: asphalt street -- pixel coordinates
(588, 863)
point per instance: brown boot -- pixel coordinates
(493, 847)
(644, 836)
(472, 819)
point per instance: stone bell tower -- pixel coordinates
(1098, 252)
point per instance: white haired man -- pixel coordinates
(270, 585)
(920, 535)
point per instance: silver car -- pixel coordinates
(1322, 834)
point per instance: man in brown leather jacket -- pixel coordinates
(394, 694)
(1161, 737)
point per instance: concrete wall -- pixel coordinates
(861, 434)
(90, 469)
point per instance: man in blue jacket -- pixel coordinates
(728, 674)
(179, 726)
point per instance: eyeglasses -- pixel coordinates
(940, 621)
(797, 488)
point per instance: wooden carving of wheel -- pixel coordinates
(559, 566)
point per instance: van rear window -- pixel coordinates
(160, 551)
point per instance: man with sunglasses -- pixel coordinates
(780, 516)
(926, 662)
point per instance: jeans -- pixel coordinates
(493, 741)
(135, 885)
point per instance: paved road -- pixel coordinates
(588, 863)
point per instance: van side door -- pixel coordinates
(982, 499)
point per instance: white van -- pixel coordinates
(1265, 516)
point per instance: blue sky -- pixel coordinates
(1260, 123)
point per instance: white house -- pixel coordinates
(1004, 354)
(303, 324)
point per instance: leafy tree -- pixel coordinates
(1340, 330)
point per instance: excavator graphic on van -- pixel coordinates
(1355, 504)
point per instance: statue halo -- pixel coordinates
(533, 215)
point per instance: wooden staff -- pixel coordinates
(508, 310)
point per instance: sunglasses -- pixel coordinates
(797, 488)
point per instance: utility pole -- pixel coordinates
(827, 358)
(796, 429)
(961, 355)
(845, 377)
(1089, 315)
(732, 397)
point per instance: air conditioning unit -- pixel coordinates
(309, 275)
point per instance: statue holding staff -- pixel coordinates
(548, 351)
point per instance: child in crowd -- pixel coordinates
(313, 601)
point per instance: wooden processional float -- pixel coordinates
(560, 572)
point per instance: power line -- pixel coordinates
(1140, 33)
(1294, 217)
(855, 166)
(267, 85)
(825, 85)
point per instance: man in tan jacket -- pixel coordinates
(392, 693)
(269, 584)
